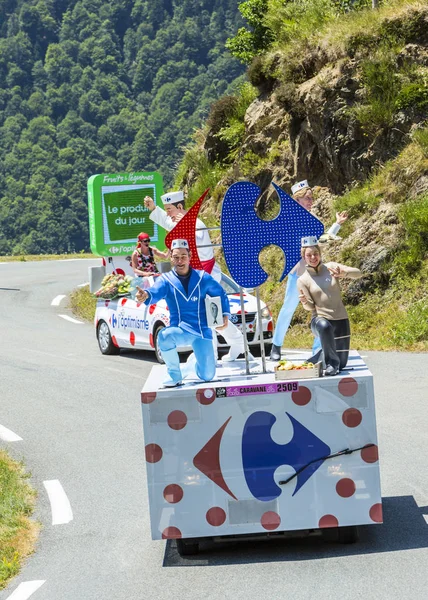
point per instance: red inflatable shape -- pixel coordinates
(186, 230)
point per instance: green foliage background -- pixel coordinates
(99, 86)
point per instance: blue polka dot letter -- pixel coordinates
(244, 234)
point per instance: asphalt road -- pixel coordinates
(78, 414)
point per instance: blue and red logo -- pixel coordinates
(261, 456)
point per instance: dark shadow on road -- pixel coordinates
(404, 528)
(10, 289)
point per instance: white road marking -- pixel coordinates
(83, 284)
(60, 504)
(67, 318)
(57, 300)
(26, 589)
(8, 436)
(426, 518)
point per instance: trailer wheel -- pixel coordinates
(348, 535)
(158, 352)
(187, 547)
(341, 535)
(104, 339)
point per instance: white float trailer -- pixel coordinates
(251, 455)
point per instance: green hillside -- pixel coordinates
(99, 86)
(338, 95)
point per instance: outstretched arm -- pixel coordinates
(340, 219)
(343, 271)
(159, 253)
(157, 292)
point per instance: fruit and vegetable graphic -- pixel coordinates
(287, 365)
(114, 285)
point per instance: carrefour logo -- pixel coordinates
(113, 321)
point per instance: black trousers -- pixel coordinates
(335, 339)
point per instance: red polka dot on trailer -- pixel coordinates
(328, 521)
(173, 493)
(177, 420)
(152, 308)
(302, 396)
(348, 386)
(376, 514)
(123, 301)
(216, 516)
(352, 417)
(171, 533)
(154, 453)
(107, 302)
(148, 397)
(370, 454)
(270, 520)
(345, 487)
(132, 338)
(205, 396)
(120, 272)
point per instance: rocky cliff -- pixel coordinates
(350, 117)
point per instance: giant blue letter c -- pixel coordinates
(244, 234)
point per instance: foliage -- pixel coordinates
(17, 532)
(248, 43)
(414, 218)
(83, 304)
(389, 88)
(234, 130)
(105, 86)
(420, 136)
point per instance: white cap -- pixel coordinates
(172, 197)
(309, 240)
(299, 186)
(179, 244)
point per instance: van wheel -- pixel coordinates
(104, 339)
(187, 547)
(158, 352)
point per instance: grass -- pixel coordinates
(38, 257)
(17, 532)
(83, 304)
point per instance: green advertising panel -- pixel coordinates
(117, 213)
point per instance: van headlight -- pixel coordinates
(265, 313)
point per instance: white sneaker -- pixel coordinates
(170, 383)
(228, 358)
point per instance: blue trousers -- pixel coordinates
(291, 302)
(172, 337)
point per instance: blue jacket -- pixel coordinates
(188, 310)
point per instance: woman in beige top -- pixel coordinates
(319, 292)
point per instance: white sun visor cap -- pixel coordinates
(299, 186)
(172, 197)
(179, 244)
(309, 240)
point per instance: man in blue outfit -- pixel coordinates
(185, 290)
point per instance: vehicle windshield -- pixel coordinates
(229, 286)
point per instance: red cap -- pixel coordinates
(143, 236)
